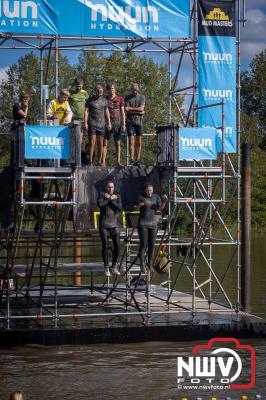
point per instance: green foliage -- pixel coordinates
(253, 91)
(120, 68)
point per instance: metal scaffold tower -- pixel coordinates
(199, 236)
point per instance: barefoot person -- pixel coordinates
(148, 205)
(117, 115)
(134, 107)
(96, 120)
(110, 205)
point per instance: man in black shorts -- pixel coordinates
(134, 107)
(110, 205)
(116, 107)
(96, 119)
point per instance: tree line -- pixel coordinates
(123, 69)
(95, 68)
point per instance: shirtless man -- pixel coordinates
(134, 107)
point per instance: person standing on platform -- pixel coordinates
(77, 100)
(110, 205)
(134, 107)
(60, 109)
(20, 109)
(117, 115)
(148, 204)
(96, 120)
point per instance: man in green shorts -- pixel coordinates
(77, 101)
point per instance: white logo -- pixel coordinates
(119, 14)
(228, 130)
(217, 58)
(209, 367)
(18, 14)
(196, 142)
(47, 142)
(18, 9)
(136, 19)
(216, 94)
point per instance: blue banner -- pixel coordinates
(217, 82)
(47, 142)
(109, 18)
(217, 69)
(197, 144)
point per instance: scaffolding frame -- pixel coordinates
(200, 181)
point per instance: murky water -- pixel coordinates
(134, 371)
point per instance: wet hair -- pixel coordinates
(79, 80)
(64, 91)
(18, 395)
(23, 95)
(135, 86)
(109, 85)
(107, 183)
(148, 184)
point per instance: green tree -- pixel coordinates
(253, 92)
(94, 67)
(123, 69)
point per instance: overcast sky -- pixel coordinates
(253, 38)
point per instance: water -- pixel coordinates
(134, 371)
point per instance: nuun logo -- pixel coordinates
(216, 94)
(120, 14)
(47, 141)
(228, 130)
(18, 9)
(196, 142)
(218, 57)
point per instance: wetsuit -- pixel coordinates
(108, 225)
(147, 226)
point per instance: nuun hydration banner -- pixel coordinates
(109, 18)
(47, 142)
(197, 144)
(217, 70)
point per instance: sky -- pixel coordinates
(253, 40)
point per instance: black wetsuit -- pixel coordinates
(147, 226)
(108, 225)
